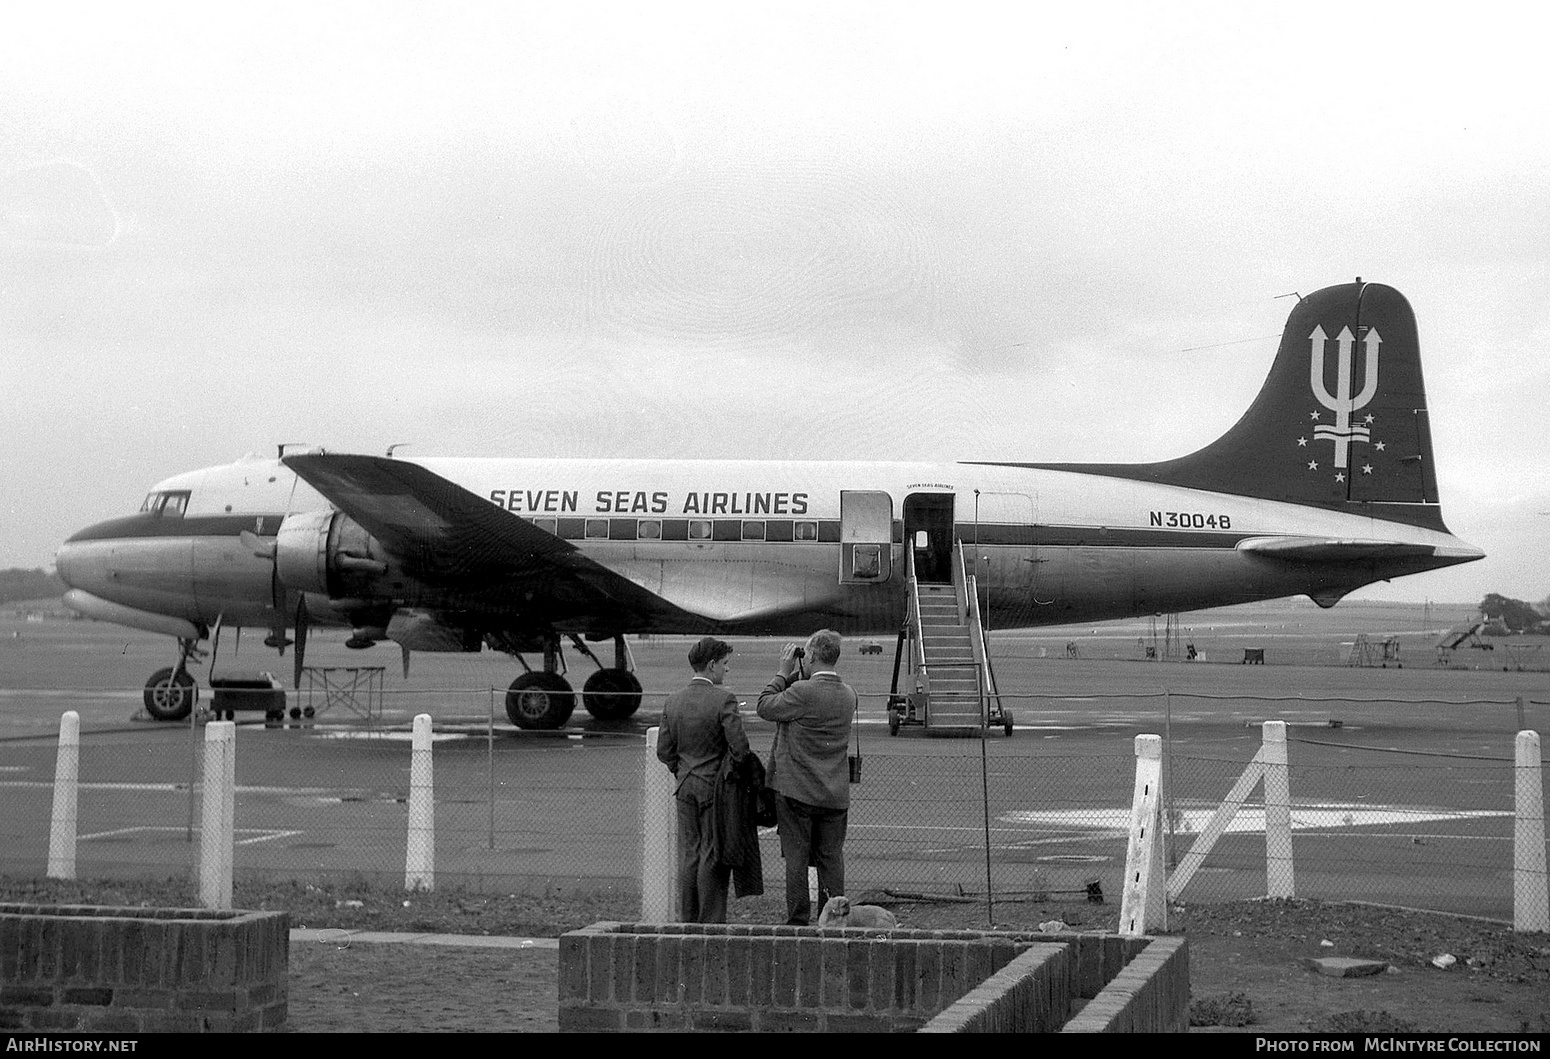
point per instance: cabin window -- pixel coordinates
(806, 531)
(753, 530)
(545, 524)
(597, 529)
(699, 529)
(648, 529)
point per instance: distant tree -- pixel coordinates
(29, 584)
(1515, 614)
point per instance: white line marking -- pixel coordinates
(262, 834)
(1314, 815)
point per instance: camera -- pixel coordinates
(800, 652)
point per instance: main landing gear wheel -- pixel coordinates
(540, 700)
(611, 694)
(170, 694)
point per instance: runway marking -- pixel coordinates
(64, 693)
(261, 834)
(391, 736)
(1309, 816)
(182, 788)
(163, 788)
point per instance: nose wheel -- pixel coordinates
(170, 694)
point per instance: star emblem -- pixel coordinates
(1368, 419)
(1340, 477)
(1313, 415)
(1302, 443)
(1380, 445)
(1313, 465)
(1366, 468)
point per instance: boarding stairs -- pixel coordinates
(954, 688)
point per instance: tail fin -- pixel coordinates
(1340, 423)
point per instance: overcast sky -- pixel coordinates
(854, 230)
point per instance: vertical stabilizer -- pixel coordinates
(1340, 423)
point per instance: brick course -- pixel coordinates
(103, 969)
(619, 976)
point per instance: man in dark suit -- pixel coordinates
(700, 726)
(812, 708)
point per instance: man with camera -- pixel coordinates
(812, 708)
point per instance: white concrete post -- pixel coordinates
(67, 775)
(1279, 880)
(1530, 891)
(1143, 906)
(659, 853)
(218, 818)
(420, 851)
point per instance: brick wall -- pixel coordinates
(1150, 994)
(616, 976)
(108, 970)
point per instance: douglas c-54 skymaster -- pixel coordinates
(1326, 484)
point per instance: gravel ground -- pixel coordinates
(1247, 959)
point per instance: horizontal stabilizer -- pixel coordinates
(1332, 549)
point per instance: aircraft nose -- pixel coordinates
(86, 559)
(65, 557)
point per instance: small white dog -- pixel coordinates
(839, 912)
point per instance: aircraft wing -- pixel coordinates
(472, 551)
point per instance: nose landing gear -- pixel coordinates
(171, 693)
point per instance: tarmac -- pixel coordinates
(339, 935)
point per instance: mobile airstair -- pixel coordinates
(942, 662)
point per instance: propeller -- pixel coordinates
(303, 620)
(268, 550)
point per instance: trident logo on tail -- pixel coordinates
(1342, 432)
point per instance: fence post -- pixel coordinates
(1143, 906)
(67, 774)
(659, 826)
(1279, 880)
(218, 819)
(1530, 892)
(420, 849)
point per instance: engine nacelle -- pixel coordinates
(330, 554)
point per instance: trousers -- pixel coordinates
(810, 834)
(702, 882)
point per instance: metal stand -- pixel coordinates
(356, 688)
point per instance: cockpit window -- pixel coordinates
(169, 504)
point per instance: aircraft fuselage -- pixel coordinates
(756, 547)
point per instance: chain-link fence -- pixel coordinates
(968, 818)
